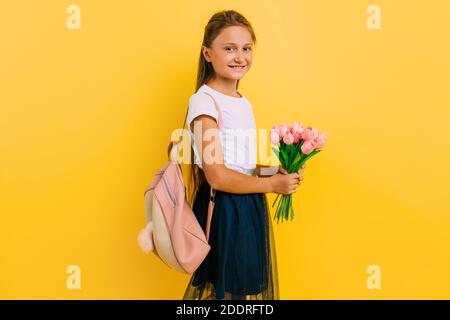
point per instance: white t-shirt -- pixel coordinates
(238, 130)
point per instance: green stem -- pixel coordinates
(277, 210)
(289, 207)
(283, 208)
(275, 200)
(288, 211)
(293, 211)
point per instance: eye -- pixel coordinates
(249, 48)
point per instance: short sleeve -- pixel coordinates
(200, 103)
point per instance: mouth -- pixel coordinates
(238, 67)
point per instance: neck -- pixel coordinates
(225, 86)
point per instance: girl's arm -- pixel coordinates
(218, 175)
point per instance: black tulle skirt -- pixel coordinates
(242, 261)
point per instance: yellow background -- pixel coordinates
(85, 116)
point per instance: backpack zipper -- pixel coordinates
(166, 187)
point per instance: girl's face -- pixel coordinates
(232, 47)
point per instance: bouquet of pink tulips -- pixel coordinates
(295, 146)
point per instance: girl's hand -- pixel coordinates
(282, 170)
(284, 183)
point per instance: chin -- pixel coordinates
(237, 77)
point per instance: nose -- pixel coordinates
(239, 56)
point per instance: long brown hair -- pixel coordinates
(219, 21)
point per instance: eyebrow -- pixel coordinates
(236, 43)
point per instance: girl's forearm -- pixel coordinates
(236, 182)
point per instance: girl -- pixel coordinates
(241, 263)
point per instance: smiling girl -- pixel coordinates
(242, 261)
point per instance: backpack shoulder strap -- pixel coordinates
(172, 145)
(219, 112)
(212, 192)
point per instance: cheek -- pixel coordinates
(226, 61)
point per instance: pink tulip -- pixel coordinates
(308, 134)
(297, 137)
(275, 134)
(276, 129)
(284, 129)
(296, 128)
(321, 140)
(317, 142)
(308, 146)
(275, 137)
(288, 138)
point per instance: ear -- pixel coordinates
(205, 52)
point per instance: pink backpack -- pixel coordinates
(173, 232)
